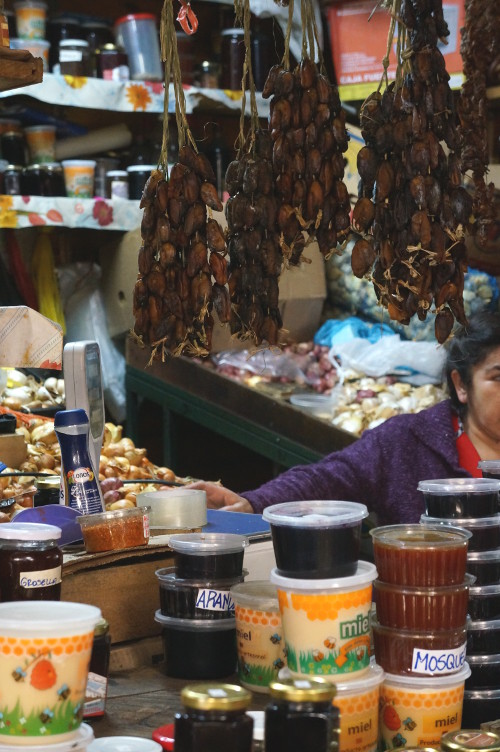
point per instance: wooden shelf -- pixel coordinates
(19, 68)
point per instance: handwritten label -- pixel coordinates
(214, 600)
(438, 661)
(43, 578)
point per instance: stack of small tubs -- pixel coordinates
(472, 504)
(325, 597)
(196, 607)
(419, 633)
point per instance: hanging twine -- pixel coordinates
(170, 56)
(245, 142)
(286, 56)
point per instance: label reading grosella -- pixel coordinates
(434, 662)
(39, 579)
(214, 600)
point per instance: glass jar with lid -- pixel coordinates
(117, 184)
(30, 562)
(301, 715)
(48, 489)
(214, 717)
(112, 63)
(232, 58)
(98, 676)
(74, 57)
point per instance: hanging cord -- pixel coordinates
(394, 11)
(170, 55)
(245, 143)
(286, 55)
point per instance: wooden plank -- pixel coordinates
(19, 68)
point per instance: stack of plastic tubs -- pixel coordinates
(325, 599)
(472, 504)
(196, 607)
(419, 633)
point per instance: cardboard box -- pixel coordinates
(122, 584)
(359, 46)
(302, 291)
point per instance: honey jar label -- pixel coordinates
(358, 721)
(327, 633)
(214, 600)
(260, 645)
(40, 579)
(435, 662)
(419, 718)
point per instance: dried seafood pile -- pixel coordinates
(480, 46)
(309, 137)
(412, 212)
(285, 185)
(182, 269)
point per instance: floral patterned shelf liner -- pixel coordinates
(90, 213)
(128, 96)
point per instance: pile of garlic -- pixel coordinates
(366, 402)
(20, 391)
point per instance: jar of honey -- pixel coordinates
(214, 717)
(301, 715)
(30, 562)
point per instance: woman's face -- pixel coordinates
(482, 398)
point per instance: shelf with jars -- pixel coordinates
(129, 96)
(57, 211)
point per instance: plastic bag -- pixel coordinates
(266, 363)
(335, 331)
(416, 362)
(86, 320)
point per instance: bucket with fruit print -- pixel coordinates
(45, 649)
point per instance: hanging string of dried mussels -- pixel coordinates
(479, 46)
(412, 213)
(181, 247)
(254, 250)
(309, 137)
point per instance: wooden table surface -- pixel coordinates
(141, 700)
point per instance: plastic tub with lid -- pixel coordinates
(196, 598)
(422, 709)
(137, 33)
(460, 497)
(176, 510)
(198, 649)
(485, 531)
(316, 539)
(208, 555)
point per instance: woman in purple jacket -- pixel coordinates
(382, 468)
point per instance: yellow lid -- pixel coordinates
(208, 696)
(307, 689)
(470, 740)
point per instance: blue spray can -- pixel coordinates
(79, 481)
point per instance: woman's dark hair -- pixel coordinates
(469, 346)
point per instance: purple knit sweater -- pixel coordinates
(381, 469)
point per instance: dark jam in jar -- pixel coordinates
(301, 716)
(30, 562)
(233, 58)
(47, 490)
(214, 718)
(97, 680)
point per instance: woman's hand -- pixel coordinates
(219, 497)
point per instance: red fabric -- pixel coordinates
(468, 457)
